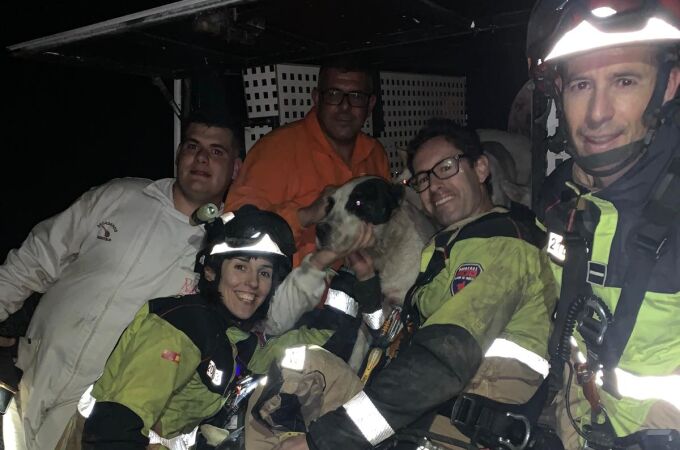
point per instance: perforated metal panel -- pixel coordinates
(261, 91)
(295, 85)
(252, 134)
(284, 91)
(408, 100)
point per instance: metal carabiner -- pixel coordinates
(527, 433)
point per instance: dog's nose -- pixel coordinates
(323, 231)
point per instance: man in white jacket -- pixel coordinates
(97, 262)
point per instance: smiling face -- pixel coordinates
(458, 197)
(605, 94)
(342, 123)
(245, 283)
(206, 162)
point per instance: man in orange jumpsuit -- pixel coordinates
(290, 170)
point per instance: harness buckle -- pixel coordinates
(650, 245)
(527, 433)
(462, 413)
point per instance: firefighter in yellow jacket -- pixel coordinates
(177, 360)
(480, 311)
(612, 216)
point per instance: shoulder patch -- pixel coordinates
(464, 275)
(170, 356)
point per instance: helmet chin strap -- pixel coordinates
(621, 157)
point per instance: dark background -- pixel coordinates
(69, 128)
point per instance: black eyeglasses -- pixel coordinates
(446, 168)
(356, 99)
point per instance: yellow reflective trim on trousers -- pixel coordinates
(505, 348)
(665, 388)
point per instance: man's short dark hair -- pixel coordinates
(346, 64)
(463, 139)
(219, 121)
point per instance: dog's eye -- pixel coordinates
(357, 203)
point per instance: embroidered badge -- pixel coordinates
(189, 286)
(214, 373)
(464, 275)
(105, 230)
(170, 356)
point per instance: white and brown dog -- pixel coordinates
(401, 230)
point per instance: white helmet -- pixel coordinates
(559, 29)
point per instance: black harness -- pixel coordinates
(515, 427)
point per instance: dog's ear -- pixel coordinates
(374, 200)
(397, 193)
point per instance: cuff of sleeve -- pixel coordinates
(368, 294)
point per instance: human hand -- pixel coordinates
(313, 213)
(361, 264)
(294, 443)
(324, 257)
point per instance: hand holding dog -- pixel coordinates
(361, 264)
(365, 237)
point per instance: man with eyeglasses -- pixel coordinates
(480, 311)
(289, 170)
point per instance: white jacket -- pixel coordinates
(97, 262)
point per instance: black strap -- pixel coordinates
(661, 212)
(436, 264)
(493, 424)
(649, 440)
(573, 288)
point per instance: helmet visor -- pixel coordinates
(258, 243)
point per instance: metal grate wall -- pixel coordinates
(408, 100)
(282, 93)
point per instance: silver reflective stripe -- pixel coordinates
(666, 388)
(375, 319)
(181, 442)
(86, 403)
(366, 417)
(503, 348)
(342, 302)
